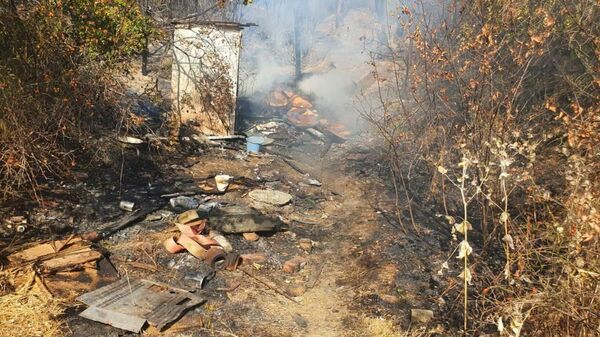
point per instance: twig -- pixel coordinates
(296, 168)
(230, 288)
(178, 194)
(63, 244)
(220, 331)
(44, 288)
(139, 265)
(270, 286)
(314, 277)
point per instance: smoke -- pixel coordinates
(335, 45)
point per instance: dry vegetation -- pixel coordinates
(31, 309)
(504, 117)
(497, 101)
(57, 86)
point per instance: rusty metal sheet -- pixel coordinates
(156, 303)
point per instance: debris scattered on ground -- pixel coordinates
(235, 219)
(296, 290)
(221, 240)
(266, 126)
(231, 137)
(222, 181)
(69, 267)
(339, 130)
(187, 217)
(129, 303)
(277, 99)
(184, 202)
(301, 321)
(58, 255)
(130, 140)
(19, 223)
(253, 258)
(126, 221)
(420, 316)
(314, 182)
(272, 197)
(251, 236)
(315, 274)
(154, 217)
(293, 265)
(305, 244)
(127, 205)
(254, 144)
(202, 279)
(294, 166)
(213, 248)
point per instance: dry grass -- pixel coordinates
(382, 327)
(30, 310)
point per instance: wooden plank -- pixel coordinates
(74, 259)
(43, 250)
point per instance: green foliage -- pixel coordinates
(108, 28)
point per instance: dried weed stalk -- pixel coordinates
(497, 103)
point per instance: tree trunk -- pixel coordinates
(298, 45)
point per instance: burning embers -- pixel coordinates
(302, 114)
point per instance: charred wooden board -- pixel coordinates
(59, 255)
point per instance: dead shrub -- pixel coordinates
(57, 86)
(498, 102)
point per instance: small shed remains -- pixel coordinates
(205, 75)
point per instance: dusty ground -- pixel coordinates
(365, 272)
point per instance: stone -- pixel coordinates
(420, 316)
(314, 182)
(392, 299)
(301, 321)
(272, 197)
(296, 290)
(251, 236)
(252, 258)
(294, 265)
(305, 244)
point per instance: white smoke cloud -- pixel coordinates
(336, 50)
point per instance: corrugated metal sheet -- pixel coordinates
(128, 303)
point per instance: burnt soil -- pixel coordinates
(364, 272)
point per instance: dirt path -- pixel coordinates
(362, 275)
(371, 272)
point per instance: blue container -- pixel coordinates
(253, 144)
